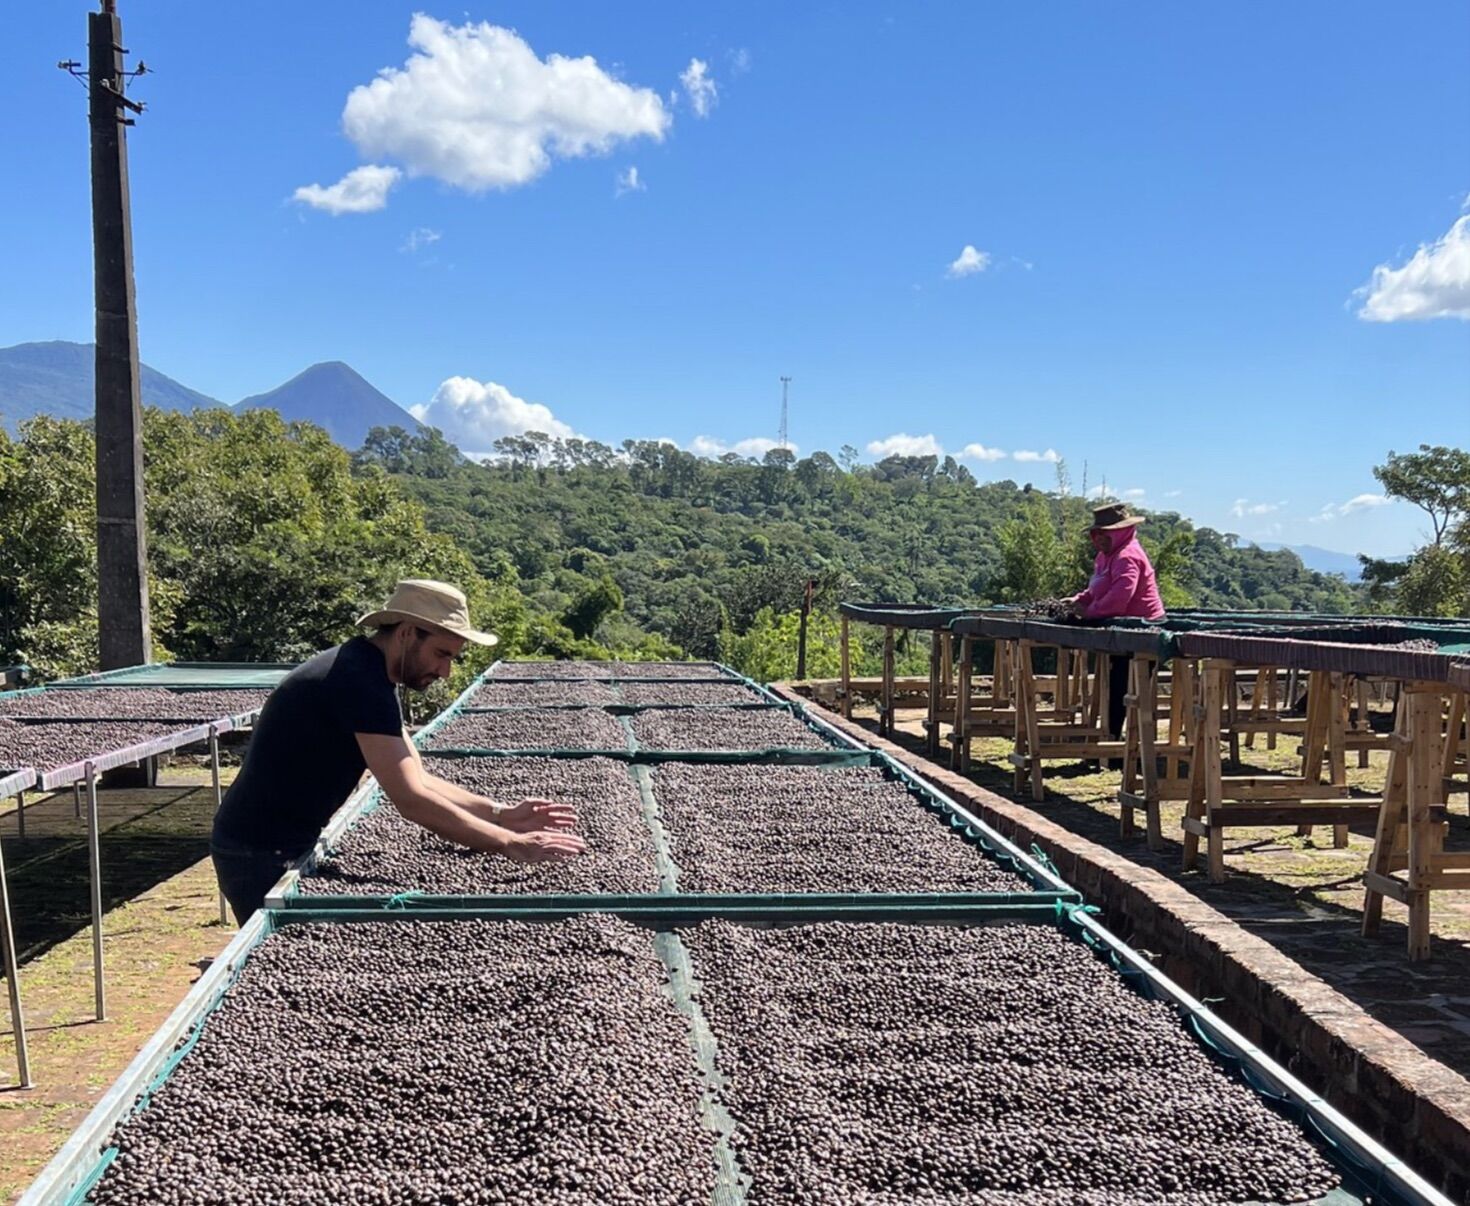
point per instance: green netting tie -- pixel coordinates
(399, 899)
(1231, 1061)
(1041, 857)
(80, 1193)
(1367, 1174)
(1285, 1103)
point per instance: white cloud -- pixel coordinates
(474, 414)
(420, 237)
(476, 108)
(1435, 283)
(1173, 493)
(1243, 507)
(904, 444)
(1359, 502)
(361, 191)
(1135, 493)
(698, 87)
(756, 446)
(970, 262)
(739, 61)
(1363, 502)
(1026, 456)
(630, 182)
(978, 452)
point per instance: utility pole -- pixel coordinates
(785, 383)
(122, 550)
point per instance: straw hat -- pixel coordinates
(427, 602)
(1112, 516)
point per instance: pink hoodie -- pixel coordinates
(1123, 582)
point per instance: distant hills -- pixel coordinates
(58, 378)
(1324, 561)
(337, 397)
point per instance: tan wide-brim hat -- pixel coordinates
(437, 604)
(1112, 516)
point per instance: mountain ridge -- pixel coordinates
(58, 377)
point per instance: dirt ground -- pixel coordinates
(161, 921)
(1298, 893)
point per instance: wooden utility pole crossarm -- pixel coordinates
(122, 550)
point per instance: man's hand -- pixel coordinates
(543, 846)
(533, 815)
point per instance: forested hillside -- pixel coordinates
(696, 547)
(266, 540)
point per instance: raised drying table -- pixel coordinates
(1410, 816)
(14, 783)
(915, 617)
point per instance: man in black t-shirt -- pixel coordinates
(337, 715)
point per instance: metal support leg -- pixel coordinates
(94, 852)
(76, 799)
(224, 917)
(12, 980)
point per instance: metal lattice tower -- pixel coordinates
(785, 384)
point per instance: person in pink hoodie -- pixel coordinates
(1123, 584)
(1123, 581)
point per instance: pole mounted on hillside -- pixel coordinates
(122, 550)
(785, 383)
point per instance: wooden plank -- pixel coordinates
(1315, 812)
(885, 714)
(845, 670)
(1381, 885)
(1294, 790)
(959, 758)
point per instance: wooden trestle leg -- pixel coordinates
(1411, 826)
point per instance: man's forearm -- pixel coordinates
(479, 806)
(441, 815)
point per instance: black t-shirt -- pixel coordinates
(304, 760)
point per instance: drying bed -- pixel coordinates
(1005, 1064)
(1336, 655)
(720, 730)
(49, 745)
(906, 615)
(537, 694)
(689, 694)
(792, 829)
(184, 674)
(375, 1063)
(608, 671)
(383, 854)
(936, 859)
(979, 1061)
(565, 693)
(131, 703)
(531, 729)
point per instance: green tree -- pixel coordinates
(1436, 479)
(1034, 564)
(592, 604)
(1435, 583)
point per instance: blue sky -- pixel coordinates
(1170, 212)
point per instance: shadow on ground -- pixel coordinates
(148, 836)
